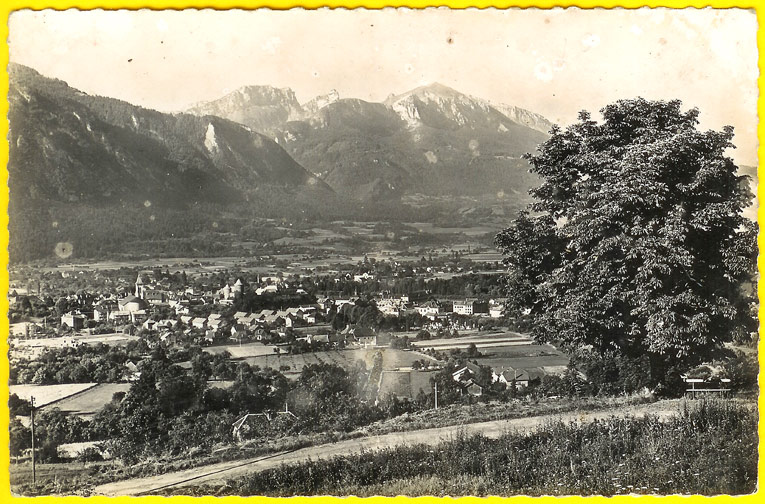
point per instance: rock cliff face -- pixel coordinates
(321, 101)
(259, 107)
(524, 117)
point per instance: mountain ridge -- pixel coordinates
(421, 141)
(68, 146)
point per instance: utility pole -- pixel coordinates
(436, 394)
(32, 413)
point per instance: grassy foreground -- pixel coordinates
(75, 478)
(709, 448)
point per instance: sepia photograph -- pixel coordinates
(383, 252)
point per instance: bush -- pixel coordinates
(18, 406)
(20, 437)
(90, 454)
(742, 370)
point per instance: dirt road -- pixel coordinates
(217, 473)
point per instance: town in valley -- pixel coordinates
(320, 252)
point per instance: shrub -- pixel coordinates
(90, 454)
(742, 371)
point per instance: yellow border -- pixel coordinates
(10, 5)
(7, 6)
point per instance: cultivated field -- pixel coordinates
(546, 357)
(47, 394)
(405, 383)
(430, 228)
(107, 339)
(480, 339)
(243, 351)
(33, 348)
(504, 350)
(90, 401)
(379, 248)
(81, 399)
(392, 359)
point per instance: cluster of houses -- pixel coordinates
(434, 310)
(135, 308)
(142, 308)
(469, 378)
(155, 307)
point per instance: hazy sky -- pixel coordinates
(552, 62)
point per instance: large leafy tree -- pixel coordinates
(636, 242)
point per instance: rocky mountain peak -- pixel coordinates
(259, 107)
(321, 101)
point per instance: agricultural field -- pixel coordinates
(430, 228)
(244, 350)
(504, 350)
(485, 257)
(48, 394)
(393, 359)
(405, 383)
(81, 399)
(330, 243)
(480, 339)
(114, 339)
(546, 357)
(88, 402)
(343, 232)
(34, 347)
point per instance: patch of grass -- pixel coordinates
(709, 447)
(60, 478)
(77, 479)
(456, 414)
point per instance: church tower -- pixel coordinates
(139, 287)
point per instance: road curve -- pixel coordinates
(219, 472)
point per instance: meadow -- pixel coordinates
(88, 402)
(48, 394)
(292, 364)
(242, 351)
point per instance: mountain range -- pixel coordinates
(104, 175)
(432, 140)
(256, 152)
(66, 145)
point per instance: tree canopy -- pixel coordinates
(636, 242)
